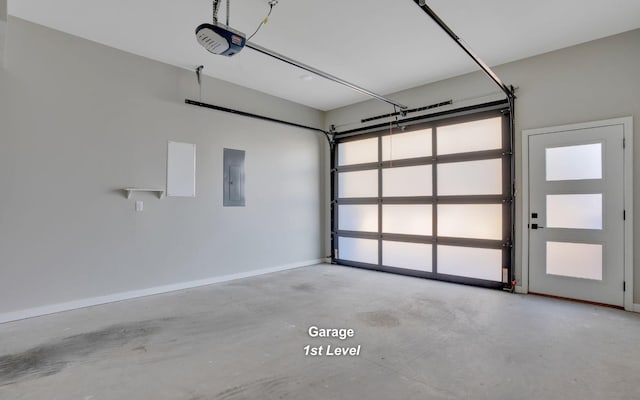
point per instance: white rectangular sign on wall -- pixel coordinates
(181, 169)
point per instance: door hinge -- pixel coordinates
(624, 143)
(624, 215)
(624, 286)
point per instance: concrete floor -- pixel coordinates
(244, 339)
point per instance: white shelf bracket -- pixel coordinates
(129, 191)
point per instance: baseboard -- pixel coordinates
(94, 301)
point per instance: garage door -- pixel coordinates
(432, 200)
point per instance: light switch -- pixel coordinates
(139, 205)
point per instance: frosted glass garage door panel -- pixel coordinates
(480, 135)
(406, 145)
(363, 218)
(574, 211)
(470, 178)
(358, 152)
(407, 181)
(470, 262)
(407, 219)
(473, 221)
(574, 162)
(358, 184)
(359, 250)
(575, 260)
(416, 256)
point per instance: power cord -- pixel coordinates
(272, 3)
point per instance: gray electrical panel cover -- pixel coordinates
(233, 164)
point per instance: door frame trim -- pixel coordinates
(627, 124)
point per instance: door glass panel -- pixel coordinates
(470, 262)
(358, 152)
(576, 260)
(480, 135)
(358, 184)
(406, 145)
(471, 177)
(574, 162)
(574, 211)
(407, 219)
(474, 221)
(360, 250)
(416, 256)
(362, 218)
(407, 181)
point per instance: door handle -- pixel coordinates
(536, 226)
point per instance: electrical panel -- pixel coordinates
(234, 178)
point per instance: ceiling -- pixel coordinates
(382, 45)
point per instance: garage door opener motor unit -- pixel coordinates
(218, 38)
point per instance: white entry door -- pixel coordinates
(576, 214)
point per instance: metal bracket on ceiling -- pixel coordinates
(199, 78)
(199, 73)
(216, 6)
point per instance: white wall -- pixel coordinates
(79, 121)
(593, 81)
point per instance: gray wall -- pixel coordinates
(593, 81)
(3, 29)
(79, 121)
